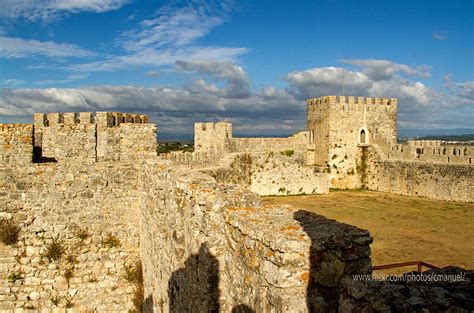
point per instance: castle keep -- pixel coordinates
(92, 186)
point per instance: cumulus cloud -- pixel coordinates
(170, 107)
(14, 48)
(236, 81)
(49, 9)
(374, 78)
(222, 70)
(269, 110)
(383, 69)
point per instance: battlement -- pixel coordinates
(351, 100)
(210, 126)
(107, 119)
(80, 137)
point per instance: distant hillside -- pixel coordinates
(466, 137)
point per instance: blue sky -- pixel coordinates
(249, 62)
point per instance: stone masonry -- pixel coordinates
(91, 199)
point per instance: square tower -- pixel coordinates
(341, 127)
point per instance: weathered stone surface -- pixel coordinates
(204, 245)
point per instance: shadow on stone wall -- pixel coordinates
(242, 308)
(316, 296)
(195, 287)
(333, 255)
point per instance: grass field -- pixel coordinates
(404, 228)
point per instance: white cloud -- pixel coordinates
(152, 74)
(376, 78)
(175, 27)
(14, 48)
(68, 79)
(269, 110)
(49, 9)
(221, 70)
(158, 58)
(11, 82)
(383, 69)
(172, 36)
(440, 35)
(237, 83)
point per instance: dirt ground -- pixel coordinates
(404, 228)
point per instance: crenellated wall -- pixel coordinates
(84, 137)
(431, 151)
(341, 125)
(443, 181)
(217, 138)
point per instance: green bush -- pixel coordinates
(54, 251)
(288, 153)
(111, 241)
(134, 275)
(82, 233)
(13, 277)
(9, 231)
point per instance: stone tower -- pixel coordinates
(341, 127)
(212, 138)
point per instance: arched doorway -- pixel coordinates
(362, 139)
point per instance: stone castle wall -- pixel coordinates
(80, 207)
(217, 138)
(217, 248)
(431, 151)
(204, 245)
(16, 143)
(451, 182)
(271, 173)
(297, 142)
(337, 123)
(105, 136)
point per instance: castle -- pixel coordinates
(93, 186)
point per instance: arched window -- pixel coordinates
(362, 139)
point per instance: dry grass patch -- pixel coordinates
(404, 228)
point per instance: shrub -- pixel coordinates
(82, 233)
(288, 153)
(71, 259)
(134, 275)
(13, 277)
(111, 241)
(55, 300)
(54, 251)
(9, 231)
(68, 273)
